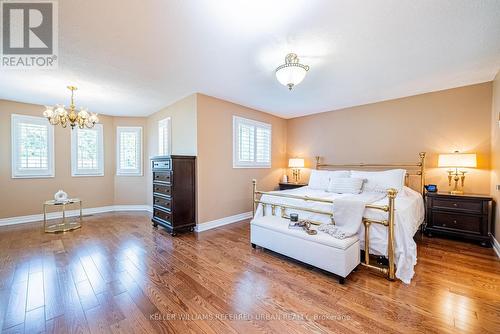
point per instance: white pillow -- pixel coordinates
(381, 181)
(345, 185)
(320, 179)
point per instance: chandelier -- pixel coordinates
(291, 73)
(59, 115)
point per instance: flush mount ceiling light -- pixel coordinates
(291, 73)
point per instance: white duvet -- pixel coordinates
(409, 214)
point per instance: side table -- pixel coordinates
(65, 224)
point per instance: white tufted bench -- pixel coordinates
(338, 256)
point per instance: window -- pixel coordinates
(164, 136)
(32, 147)
(251, 143)
(87, 153)
(129, 151)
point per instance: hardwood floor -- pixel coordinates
(117, 274)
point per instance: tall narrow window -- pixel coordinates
(32, 147)
(251, 143)
(164, 136)
(129, 151)
(87, 152)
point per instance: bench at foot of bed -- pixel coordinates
(337, 256)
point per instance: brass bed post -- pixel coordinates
(254, 203)
(422, 172)
(391, 274)
(367, 242)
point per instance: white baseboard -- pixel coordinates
(496, 245)
(223, 221)
(73, 213)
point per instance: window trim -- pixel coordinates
(169, 135)
(137, 130)
(238, 164)
(39, 173)
(75, 171)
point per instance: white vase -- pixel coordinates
(60, 196)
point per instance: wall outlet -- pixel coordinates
(498, 187)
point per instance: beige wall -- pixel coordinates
(184, 133)
(223, 190)
(132, 190)
(19, 197)
(396, 130)
(495, 151)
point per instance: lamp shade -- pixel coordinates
(458, 160)
(296, 163)
(291, 75)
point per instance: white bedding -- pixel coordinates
(409, 214)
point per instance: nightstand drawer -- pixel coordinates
(459, 222)
(472, 206)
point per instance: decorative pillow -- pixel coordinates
(320, 179)
(345, 185)
(381, 181)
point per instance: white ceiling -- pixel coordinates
(132, 58)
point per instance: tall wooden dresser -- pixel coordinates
(174, 192)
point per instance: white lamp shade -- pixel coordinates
(458, 160)
(291, 75)
(296, 163)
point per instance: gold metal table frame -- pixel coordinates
(66, 224)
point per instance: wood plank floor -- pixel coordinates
(119, 275)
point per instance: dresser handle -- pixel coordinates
(444, 225)
(454, 222)
(455, 205)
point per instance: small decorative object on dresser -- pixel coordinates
(286, 185)
(174, 192)
(465, 216)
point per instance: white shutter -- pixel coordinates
(251, 143)
(32, 147)
(87, 151)
(129, 151)
(164, 136)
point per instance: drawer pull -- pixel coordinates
(455, 205)
(454, 222)
(444, 225)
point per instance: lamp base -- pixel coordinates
(456, 192)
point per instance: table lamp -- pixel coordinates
(296, 164)
(456, 161)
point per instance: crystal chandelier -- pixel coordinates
(59, 115)
(291, 73)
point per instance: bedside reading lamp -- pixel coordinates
(296, 164)
(457, 160)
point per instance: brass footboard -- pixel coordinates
(388, 270)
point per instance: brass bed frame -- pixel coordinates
(413, 169)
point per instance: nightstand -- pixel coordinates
(286, 186)
(465, 216)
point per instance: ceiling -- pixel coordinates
(131, 58)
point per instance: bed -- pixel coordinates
(390, 221)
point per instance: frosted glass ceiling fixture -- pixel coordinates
(291, 73)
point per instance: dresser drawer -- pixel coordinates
(472, 206)
(162, 189)
(163, 202)
(451, 221)
(163, 215)
(164, 176)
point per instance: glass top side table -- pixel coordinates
(65, 224)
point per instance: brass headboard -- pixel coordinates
(412, 169)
